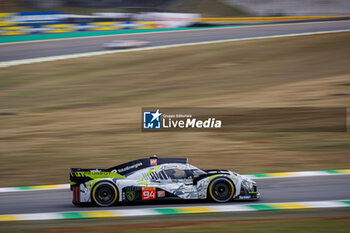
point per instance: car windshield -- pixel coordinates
(177, 173)
(198, 172)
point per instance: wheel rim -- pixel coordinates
(221, 190)
(104, 194)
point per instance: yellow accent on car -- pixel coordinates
(143, 182)
(212, 177)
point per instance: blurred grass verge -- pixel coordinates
(86, 112)
(207, 8)
(322, 220)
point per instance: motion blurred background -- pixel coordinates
(207, 7)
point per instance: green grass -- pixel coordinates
(309, 225)
(251, 227)
(86, 112)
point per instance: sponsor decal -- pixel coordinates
(161, 194)
(148, 193)
(130, 195)
(38, 18)
(153, 162)
(151, 120)
(245, 197)
(95, 170)
(83, 174)
(127, 168)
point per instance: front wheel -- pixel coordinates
(221, 190)
(104, 194)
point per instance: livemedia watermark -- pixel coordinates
(295, 119)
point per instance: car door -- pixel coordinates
(181, 185)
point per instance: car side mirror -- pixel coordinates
(188, 182)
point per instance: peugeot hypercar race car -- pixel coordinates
(125, 44)
(158, 179)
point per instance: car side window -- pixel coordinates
(176, 173)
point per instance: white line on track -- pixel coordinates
(115, 212)
(89, 54)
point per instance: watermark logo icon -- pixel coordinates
(152, 120)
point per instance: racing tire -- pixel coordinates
(104, 194)
(221, 190)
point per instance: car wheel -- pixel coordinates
(221, 190)
(104, 194)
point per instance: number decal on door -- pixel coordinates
(148, 193)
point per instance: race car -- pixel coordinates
(158, 179)
(125, 44)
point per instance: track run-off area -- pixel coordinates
(28, 52)
(287, 192)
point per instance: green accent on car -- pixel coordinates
(97, 175)
(153, 170)
(143, 182)
(92, 183)
(212, 177)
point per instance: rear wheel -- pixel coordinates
(221, 190)
(104, 194)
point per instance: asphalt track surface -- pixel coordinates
(316, 188)
(24, 50)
